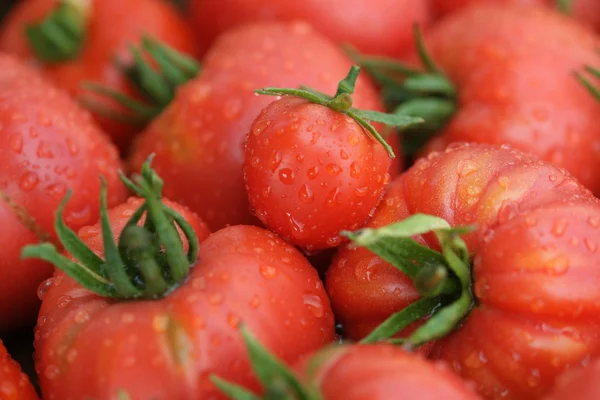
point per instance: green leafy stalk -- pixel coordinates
(342, 102)
(276, 378)
(443, 278)
(424, 92)
(594, 73)
(146, 261)
(156, 72)
(61, 35)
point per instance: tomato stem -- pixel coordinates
(342, 102)
(276, 378)
(156, 87)
(587, 83)
(443, 278)
(61, 35)
(425, 93)
(147, 261)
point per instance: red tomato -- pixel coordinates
(375, 27)
(581, 383)
(380, 372)
(535, 267)
(583, 10)
(112, 26)
(14, 384)
(513, 68)
(90, 346)
(312, 172)
(50, 145)
(199, 139)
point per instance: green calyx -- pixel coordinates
(594, 73)
(443, 278)
(424, 93)
(145, 262)
(342, 102)
(278, 382)
(156, 72)
(564, 6)
(61, 35)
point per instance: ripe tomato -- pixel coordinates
(14, 384)
(50, 145)
(199, 138)
(535, 267)
(110, 27)
(581, 383)
(584, 10)
(311, 171)
(164, 348)
(375, 27)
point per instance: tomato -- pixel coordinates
(580, 383)
(375, 27)
(50, 145)
(534, 259)
(14, 384)
(584, 10)
(200, 136)
(165, 346)
(109, 28)
(358, 372)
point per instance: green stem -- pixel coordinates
(564, 6)
(61, 35)
(592, 88)
(156, 86)
(145, 262)
(342, 102)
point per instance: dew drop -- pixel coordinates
(333, 198)
(314, 304)
(260, 126)
(255, 162)
(591, 245)
(51, 372)
(343, 154)
(594, 222)
(362, 191)
(275, 160)
(334, 169)
(28, 181)
(233, 320)
(559, 227)
(254, 302)
(215, 299)
(16, 143)
(43, 151)
(312, 173)
(466, 168)
(44, 287)
(57, 190)
(355, 170)
(306, 194)
(268, 271)
(286, 176)
(63, 301)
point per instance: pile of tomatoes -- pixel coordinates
(304, 200)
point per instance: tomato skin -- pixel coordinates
(535, 266)
(166, 348)
(51, 145)
(113, 26)
(377, 27)
(516, 86)
(580, 383)
(587, 11)
(14, 384)
(311, 172)
(199, 139)
(373, 372)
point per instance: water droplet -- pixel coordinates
(43, 151)
(355, 170)
(306, 194)
(268, 271)
(286, 176)
(594, 222)
(312, 173)
(552, 178)
(315, 136)
(233, 321)
(333, 198)
(57, 190)
(314, 304)
(559, 228)
(354, 140)
(63, 301)
(232, 108)
(127, 318)
(530, 221)
(334, 241)
(275, 160)
(72, 146)
(28, 181)
(82, 316)
(199, 283)
(362, 191)
(215, 299)
(334, 169)
(44, 287)
(255, 162)
(33, 133)
(254, 302)
(51, 372)
(591, 245)
(71, 355)
(534, 379)
(16, 143)
(343, 154)
(259, 126)
(466, 168)
(297, 226)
